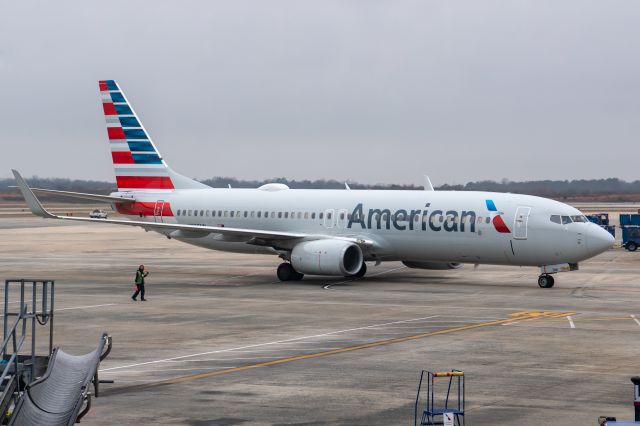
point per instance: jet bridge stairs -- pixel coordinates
(54, 388)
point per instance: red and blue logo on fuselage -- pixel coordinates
(497, 220)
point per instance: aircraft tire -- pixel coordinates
(287, 273)
(546, 281)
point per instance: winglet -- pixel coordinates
(33, 203)
(428, 186)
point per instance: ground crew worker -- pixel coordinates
(140, 275)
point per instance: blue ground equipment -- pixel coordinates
(630, 226)
(602, 220)
(447, 410)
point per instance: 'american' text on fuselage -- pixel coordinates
(435, 220)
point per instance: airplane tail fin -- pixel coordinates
(136, 160)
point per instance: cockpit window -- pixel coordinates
(565, 220)
(579, 218)
(555, 218)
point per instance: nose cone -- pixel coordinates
(598, 240)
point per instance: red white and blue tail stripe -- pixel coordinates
(137, 162)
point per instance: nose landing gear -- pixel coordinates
(546, 281)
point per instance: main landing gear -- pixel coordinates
(287, 273)
(546, 281)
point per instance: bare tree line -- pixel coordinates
(611, 189)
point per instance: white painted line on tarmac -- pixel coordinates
(571, 324)
(220, 359)
(87, 307)
(160, 370)
(257, 345)
(635, 319)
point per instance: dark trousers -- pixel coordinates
(140, 290)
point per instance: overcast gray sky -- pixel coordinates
(372, 91)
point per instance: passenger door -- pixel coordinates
(520, 223)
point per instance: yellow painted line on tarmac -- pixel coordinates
(514, 317)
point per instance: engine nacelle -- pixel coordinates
(432, 265)
(327, 257)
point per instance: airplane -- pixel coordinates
(332, 232)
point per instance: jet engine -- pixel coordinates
(432, 265)
(327, 257)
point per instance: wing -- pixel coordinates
(36, 208)
(84, 196)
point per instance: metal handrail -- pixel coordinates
(15, 347)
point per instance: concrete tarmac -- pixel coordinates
(221, 342)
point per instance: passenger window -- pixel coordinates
(207, 213)
(320, 215)
(286, 215)
(329, 216)
(259, 214)
(246, 213)
(190, 213)
(252, 213)
(341, 216)
(306, 215)
(226, 213)
(213, 213)
(488, 219)
(178, 212)
(238, 213)
(565, 220)
(231, 213)
(293, 215)
(313, 215)
(555, 218)
(279, 215)
(273, 215)
(201, 212)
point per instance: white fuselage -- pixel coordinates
(443, 226)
